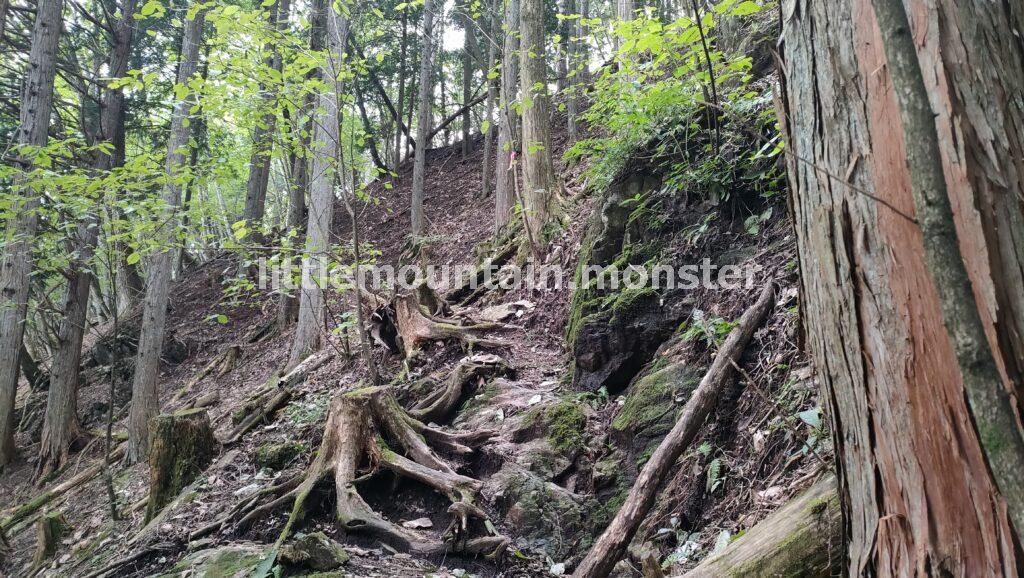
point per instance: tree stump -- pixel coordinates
(181, 445)
(49, 530)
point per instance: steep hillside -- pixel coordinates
(563, 411)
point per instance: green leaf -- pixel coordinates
(222, 319)
(811, 417)
(746, 8)
(133, 258)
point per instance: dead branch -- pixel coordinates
(609, 548)
(277, 392)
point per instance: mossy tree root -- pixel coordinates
(441, 401)
(359, 428)
(274, 395)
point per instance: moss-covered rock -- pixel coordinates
(563, 423)
(613, 343)
(181, 446)
(534, 507)
(233, 561)
(314, 551)
(277, 456)
(649, 409)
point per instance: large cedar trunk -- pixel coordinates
(36, 105)
(145, 395)
(538, 171)
(918, 497)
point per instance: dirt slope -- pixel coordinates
(558, 464)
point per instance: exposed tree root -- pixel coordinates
(408, 320)
(274, 395)
(474, 285)
(362, 428)
(220, 365)
(444, 398)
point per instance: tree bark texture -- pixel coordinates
(34, 120)
(918, 495)
(145, 395)
(539, 185)
(326, 168)
(508, 120)
(423, 118)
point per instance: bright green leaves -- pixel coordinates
(152, 8)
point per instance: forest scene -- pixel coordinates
(511, 288)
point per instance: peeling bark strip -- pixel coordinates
(918, 496)
(990, 404)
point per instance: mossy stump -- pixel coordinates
(49, 530)
(181, 446)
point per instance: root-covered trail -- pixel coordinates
(479, 449)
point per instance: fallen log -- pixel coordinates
(220, 365)
(610, 547)
(25, 510)
(802, 538)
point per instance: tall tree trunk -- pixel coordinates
(326, 167)
(576, 81)
(918, 495)
(403, 51)
(263, 134)
(60, 424)
(508, 125)
(288, 309)
(34, 120)
(424, 118)
(145, 395)
(564, 42)
(624, 11)
(467, 79)
(492, 27)
(539, 185)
